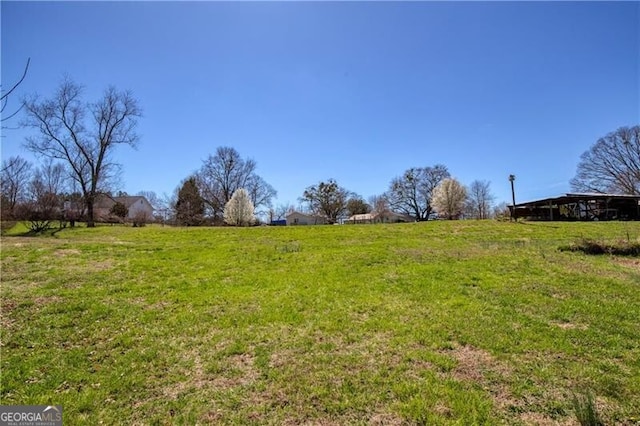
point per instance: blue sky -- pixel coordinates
(355, 91)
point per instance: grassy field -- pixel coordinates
(465, 323)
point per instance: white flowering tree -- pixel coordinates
(239, 209)
(448, 198)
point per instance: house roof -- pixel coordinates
(130, 200)
(106, 202)
(295, 212)
(373, 216)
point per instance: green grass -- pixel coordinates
(442, 322)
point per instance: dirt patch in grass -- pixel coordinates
(240, 371)
(633, 264)
(100, 266)
(386, 419)
(6, 308)
(472, 363)
(66, 252)
(539, 419)
(45, 300)
(237, 370)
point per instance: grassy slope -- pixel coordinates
(436, 323)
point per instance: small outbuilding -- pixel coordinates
(585, 207)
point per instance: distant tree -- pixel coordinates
(43, 205)
(448, 198)
(357, 205)
(501, 211)
(224, 173)
(72, 206)
(39, 213)
(327, 199)
(189, 206)
(480, 199)
(14, 178)
(411, 193)
(83, 135)
(53, 176)
(119, 210)
(239, 209)
(612, 164)
(380, 207)
(280, 212)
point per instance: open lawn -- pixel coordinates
(469, 322)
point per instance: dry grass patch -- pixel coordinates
(569, 326)
(233, 372)
(479, 367)
(472, 363)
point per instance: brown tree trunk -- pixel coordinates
(90, 221)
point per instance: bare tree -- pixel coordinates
(327, 199)
(448, 198)
(411, 193)
(260, 193)
(480, 199)
(224, 173)
(53, 177)
(280, 212)
(502, 211)
(380, 207)
(152, 198)
(4, 98)
(44, 202)
(612, 164)
(14, 178)
(83, 135)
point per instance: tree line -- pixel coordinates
(419, 193)
(76, 140)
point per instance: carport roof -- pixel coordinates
(575, 197)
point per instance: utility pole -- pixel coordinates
(513, 198)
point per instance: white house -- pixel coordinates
(298, 218)
(138, 207)
(385, 217)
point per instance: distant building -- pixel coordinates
(298, 218)
(138, 207)
(585, 207)
(386, 217)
